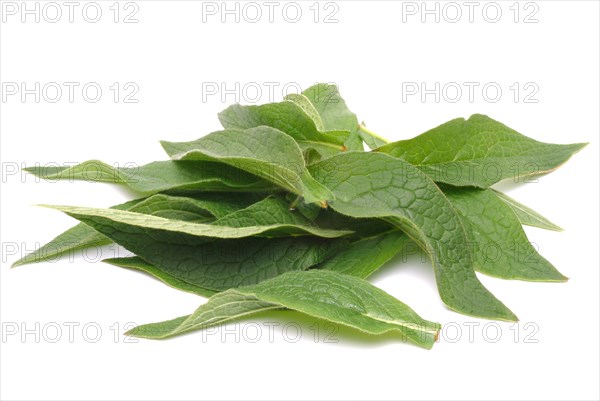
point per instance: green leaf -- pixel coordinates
(76, 238)
(334, 112)
(363, 257)
(375, 185)
(304, 103)
(174, 208)
(332, 296)
(220, 308)
(180, 248)
(199, 209)
(160, 176)
(129, 224)
(269, 211)
(527, 216)
(287, 117)
(479, 152)
(501, 248)
(224, 264)
(139, 264)
(263, 151)
(195, 206)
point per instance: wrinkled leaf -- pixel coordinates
(332, 296)
(363, 257)
(198, 209)
(160, 176)
(225, 264)
(501, 248)
(130, 224)
(377, 185)
(288, 117)
(139, 264)
(479, 152)
(263, 151)
(334, 112)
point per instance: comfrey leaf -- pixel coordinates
(336, 297)
(377, 185)
(363, 257)
(526, 215)
(334, 113)
(501, 248)
(263, 151)
(202, 208)
(160, 176)
(288, 117)
(479, 152)
(117, 223)
(224, 264)
(139, 264)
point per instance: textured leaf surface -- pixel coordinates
(220, 265)
(174, 207)
(199, 209)
(180, 249)
(263, 151)
(139, 264)
(110, 220)
(526, 215)
(362, 258)
(75, 238)
(306, 105)
(160, 176)
(479, 152)
(269, 211)
(336, 297)
(501, 248)
(377, 185)
(288, 117)
(334, 112)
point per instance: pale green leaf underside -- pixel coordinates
(304, 103)
(479, 152)
(76, 238)
(526, 215)
(137, 222)
(198, 209)
(287, 117)
(160, 176)
(263, 151)
(375, 185)
(332, 296)
(500, 246)
(334, 112)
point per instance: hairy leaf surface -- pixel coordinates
(479, 152)
(328, 295)
(263, 151)
(377, 185)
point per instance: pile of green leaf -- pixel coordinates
(284, 209)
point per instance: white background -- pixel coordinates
(372, 54)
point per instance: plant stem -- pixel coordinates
(295, 202)
(367, 131)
